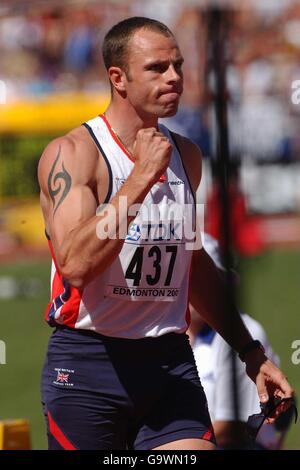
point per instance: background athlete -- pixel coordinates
(213, 358)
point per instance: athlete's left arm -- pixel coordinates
(208, 296)
(205, 280)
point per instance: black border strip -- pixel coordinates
(95, 458)
(90, 130)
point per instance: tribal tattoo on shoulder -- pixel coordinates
(59, 184)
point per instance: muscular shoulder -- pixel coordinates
(74, 153)
(192, 159)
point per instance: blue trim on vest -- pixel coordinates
(172, 134)
(90, 130)
(58, 302)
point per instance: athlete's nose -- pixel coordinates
(173, 75)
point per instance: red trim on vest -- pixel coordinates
(70, 310)
(113, 134)
(162, 178)
(52, 254)
(59, 435)
(209, 434)
(57, 287)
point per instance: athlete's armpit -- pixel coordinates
(59, 182)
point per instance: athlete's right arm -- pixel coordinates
(68, 181)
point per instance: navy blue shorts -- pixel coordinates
(106, 393)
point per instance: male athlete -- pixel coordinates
(120, 373)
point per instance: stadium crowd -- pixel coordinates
(55, 49)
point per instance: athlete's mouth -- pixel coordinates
(170, 95)
(173, 92)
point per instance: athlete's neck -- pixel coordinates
(126, 124)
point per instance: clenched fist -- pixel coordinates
(152, 153)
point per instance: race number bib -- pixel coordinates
(149, 267)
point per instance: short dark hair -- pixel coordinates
(115, 44)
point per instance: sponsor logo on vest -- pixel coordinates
(175, 183)
(162, 231)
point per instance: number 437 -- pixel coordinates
(135, 267)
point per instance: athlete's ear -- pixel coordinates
(118, 78)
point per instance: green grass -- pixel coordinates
(270, 292)
(25, 333)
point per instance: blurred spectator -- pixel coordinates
(191, 118)
(51, 50)
(78, 49)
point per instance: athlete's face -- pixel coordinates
(154, 81)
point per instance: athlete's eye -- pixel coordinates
(159, 68)
(178, 66)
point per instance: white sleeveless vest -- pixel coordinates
(144, 292)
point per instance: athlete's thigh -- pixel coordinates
(85, 405)
(181, 412)
(83, 422)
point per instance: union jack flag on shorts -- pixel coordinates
(61, 377)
